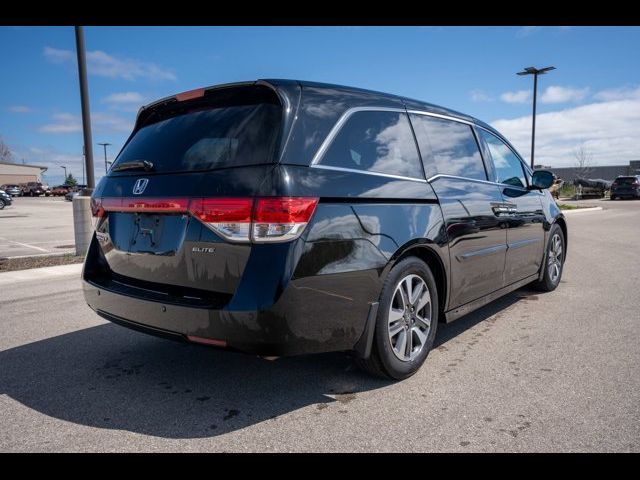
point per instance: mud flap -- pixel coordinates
(363, 346)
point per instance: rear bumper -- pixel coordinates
(635, 193)
(305, 319)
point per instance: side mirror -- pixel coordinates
(541, 179)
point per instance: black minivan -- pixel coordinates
(281, 217)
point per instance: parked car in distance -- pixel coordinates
(60, 190)
(625, 186)
(70, 195)
(281, 217)
(5, 199)
(12, 189)
(34, 189)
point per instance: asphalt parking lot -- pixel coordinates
(36, 226)
(529, 372)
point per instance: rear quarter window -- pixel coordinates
(375, 141)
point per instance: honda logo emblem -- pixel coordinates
(140, 185)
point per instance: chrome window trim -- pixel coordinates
(467, 179)
(366, 172)
(315, 162)
(439, 115)
(338, 126)
(504, 140)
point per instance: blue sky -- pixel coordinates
(592, 99)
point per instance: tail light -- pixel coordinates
(97, 211)
(96, 208)
(270, 219)
(282, 218)
(228, 217)
(274, 219)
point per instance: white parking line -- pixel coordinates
(24, 244)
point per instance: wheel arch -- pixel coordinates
(428, 254)
(562, 223)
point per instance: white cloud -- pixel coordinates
(558, 94)
(621, 93)
(107, 122)
(526, 31)
(105, 65)
(127, 101)
(480, 96)
(63, 123)
(521, 96)
(100, 122)
(53, 159)
(608, 130)
(20, 109)
(125, 97)
(56, 55)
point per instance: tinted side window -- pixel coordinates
(377, 142)
(507, 165)
(448, 147)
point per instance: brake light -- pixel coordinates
(190, 95)
(271, 219)
(154, 205)
(228, 217)
(96, 208)
(281, 218)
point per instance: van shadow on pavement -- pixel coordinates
(110, 377)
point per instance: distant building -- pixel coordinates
(15, 173)
(605, 172)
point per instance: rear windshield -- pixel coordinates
(625, 180)
(208, 138)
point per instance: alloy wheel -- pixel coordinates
(554, 259)
(410, 317)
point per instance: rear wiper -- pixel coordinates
(134, 165)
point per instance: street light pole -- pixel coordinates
(65, 174)
(106, 167)
(535, 72)
(84, 99)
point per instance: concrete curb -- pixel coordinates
(43, 273)
(68, 251)
(581, 210)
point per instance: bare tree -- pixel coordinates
(5, 152)
(584, 161)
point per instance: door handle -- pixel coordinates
(504, 209)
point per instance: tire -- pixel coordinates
(422, 321)
(552, 268)
(612, 197)
(1, 204)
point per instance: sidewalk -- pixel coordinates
(44, 273)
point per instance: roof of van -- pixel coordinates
(412, 103)
(331, 89)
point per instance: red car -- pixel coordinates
(60, 190)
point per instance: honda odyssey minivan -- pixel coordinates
(281, 217)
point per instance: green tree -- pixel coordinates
(5, 152)
(71, 181)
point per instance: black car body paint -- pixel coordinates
(169, 274)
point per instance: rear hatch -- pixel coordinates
(185, 151)
(625, 184)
